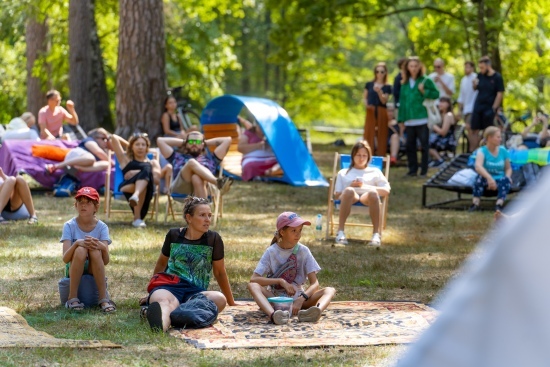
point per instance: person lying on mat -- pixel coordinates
(139, 173)
(360, 183)
(15, 199)
(191, 253)
(258, 158)
(283, 269)
(86, 249)
(193, 164)
(89, 156)
(52, 116)
(21, 128)
(493, 168)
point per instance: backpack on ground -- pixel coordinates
(66, 185)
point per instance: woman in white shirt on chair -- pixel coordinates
(360, 183)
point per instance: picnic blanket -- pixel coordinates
(343, 323)
(15, 332)
(16, 156)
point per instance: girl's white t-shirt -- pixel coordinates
(274, 257)
(371, 176)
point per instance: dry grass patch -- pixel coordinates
(421, 251)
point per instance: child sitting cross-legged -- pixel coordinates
(283, 269)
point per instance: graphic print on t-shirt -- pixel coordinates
(191, 262)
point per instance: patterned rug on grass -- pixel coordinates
(343, 323)
(15, 332)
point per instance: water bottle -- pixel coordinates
(319, 227)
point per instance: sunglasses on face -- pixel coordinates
(437, 66)
(194, 142)
(380, 72)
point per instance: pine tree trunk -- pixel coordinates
(244, 59)
(86, 76)
(35, 37)
(141, 75)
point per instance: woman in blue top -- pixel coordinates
(493, 167)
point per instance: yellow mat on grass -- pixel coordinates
(16, 332)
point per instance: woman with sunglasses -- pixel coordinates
(194, 164)
(139, 173)
(89, 156)
(375, 97)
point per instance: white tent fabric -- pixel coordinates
(497, 313)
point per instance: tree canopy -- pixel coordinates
(313, 57)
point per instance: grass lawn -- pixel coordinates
(421, 251)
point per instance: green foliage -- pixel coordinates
(313, 57)
(12, 82)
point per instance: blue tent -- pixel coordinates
(299, 168)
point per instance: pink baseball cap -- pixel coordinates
(290, 219)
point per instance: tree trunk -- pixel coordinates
(141, 75)
(86, 76)
(244, 59)
(35, 38)
(267, 50)
(481, 28)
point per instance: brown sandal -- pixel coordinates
(74, 304)
(107, 306)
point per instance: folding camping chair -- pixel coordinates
(342, 161)
(118, 195)
(213, 195)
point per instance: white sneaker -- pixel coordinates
(280, 317)
(376, 241)
(133, 200)
(312, 314)
(341, 239)
(138, 223)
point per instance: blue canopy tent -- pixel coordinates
(299, 168)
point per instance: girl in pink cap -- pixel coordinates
(283, 271)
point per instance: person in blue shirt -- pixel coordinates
(493, 168)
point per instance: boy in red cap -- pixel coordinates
(284, 269)
(86, 249)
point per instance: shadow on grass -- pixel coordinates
(421, 250)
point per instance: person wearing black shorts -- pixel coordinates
(490, 89)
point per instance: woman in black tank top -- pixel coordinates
(172, 126)
(139, 174)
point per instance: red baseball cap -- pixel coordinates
(290, 219)
(88, 192)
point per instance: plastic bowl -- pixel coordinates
(281, 303)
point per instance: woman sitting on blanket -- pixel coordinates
(140, 174)
(15, 199)
(89, 156)
(192, 253)
(258, 158)
(284, 269)
(493, 168)
(360, 183)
